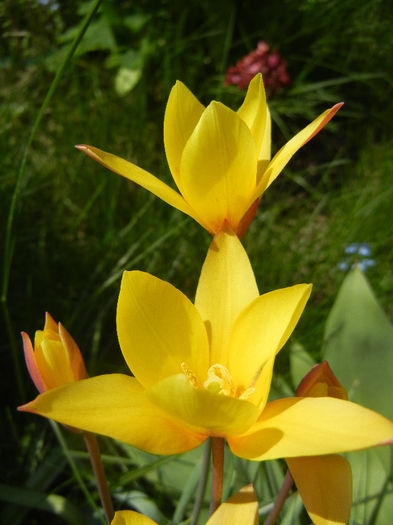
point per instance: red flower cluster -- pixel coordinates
(261, 60)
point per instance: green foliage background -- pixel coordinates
(78, 226)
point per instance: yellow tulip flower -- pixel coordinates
(55, 359)
(324, 482)
(205, 370)
(219, 158)
(240, 509)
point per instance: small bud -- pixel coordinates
(55, 359)
(321, 382)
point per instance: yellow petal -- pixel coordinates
(265, 153)
(254, 112)
(240, 509)
(218, 167)
(262, 385)
(115, 405)
(130, 517)
(76, 360)
(283, 156)
(262, 329)
(54, 363)
(50, 323)
(311, 426)
(226, 286)
(325, 485)
(201, 410)
(139, 176)
(182, 114)
(159, 329)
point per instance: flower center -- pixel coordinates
(219, 381)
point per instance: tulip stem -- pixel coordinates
(280, 499)
(217, 471)
(98, 468)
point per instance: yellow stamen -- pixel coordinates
(189, 374)
(219, 381)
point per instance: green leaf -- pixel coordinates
(53, 503)
(372, 499)
(141, 502)
(300, 362)
(359, 345)
(126, 79)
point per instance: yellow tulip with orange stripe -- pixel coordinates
(219, 158)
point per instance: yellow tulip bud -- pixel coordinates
(55, 359)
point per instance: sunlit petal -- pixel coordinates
(262, 329)
(311, 426)
(139, 176)
(54, 363)
(200, 409)
(226, 286)
(254, 112)
(240, 509)
(265, 153)
(325, 485)
(159, 329)
(76, 360)
(115, 405)
(182, 114)
(130, 517)
(262, 385)
(218, 167)
(283, 156)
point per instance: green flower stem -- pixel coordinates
(202, 482)
(74, 468)
(280, 499)
(98, 468)
(218, 472)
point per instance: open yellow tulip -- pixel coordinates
(240, 509)
(205, 370)
(219, 158)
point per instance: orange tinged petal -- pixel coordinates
(325, 485)
(139, 176)
(31, 363)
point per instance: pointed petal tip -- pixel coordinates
(329, 114)
(333, 110)
(24, 408)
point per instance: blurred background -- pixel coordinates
(77, 226)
